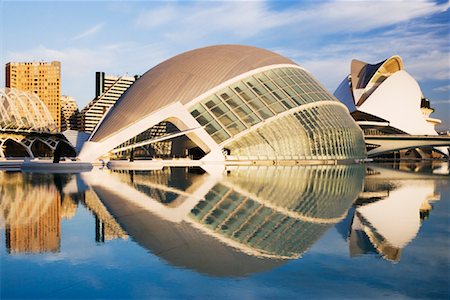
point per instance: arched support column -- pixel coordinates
(40, 148)
(175, 113)
(12, 148)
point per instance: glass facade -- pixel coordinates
(158, 149)
(292, 187)
(256, 98)
(320, 132)
(322, 194)
(250, 223)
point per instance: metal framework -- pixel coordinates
(24, 111)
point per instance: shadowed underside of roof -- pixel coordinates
(183, 78)
(366, 76)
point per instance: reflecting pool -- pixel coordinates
(331, 231)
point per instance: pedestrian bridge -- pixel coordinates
(21, 144)
(380, 144)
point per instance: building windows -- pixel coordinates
(259, 97)
(318, 132)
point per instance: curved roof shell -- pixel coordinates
(183, 78)
(397, 100)
(21, 110)
(365, 77)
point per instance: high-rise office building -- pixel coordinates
(69, 113)
(41, 78)
(108, 90)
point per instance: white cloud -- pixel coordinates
(444, 88)
(247, 19)
(211, 20)
(360, 16)
(425, 54)
(156, 17)
(91, 31)
(304, 27)
(78, 65)
(440, 102)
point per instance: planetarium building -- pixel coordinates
(227, 102)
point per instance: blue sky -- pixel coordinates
(120, 37)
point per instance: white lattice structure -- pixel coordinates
(24, 111)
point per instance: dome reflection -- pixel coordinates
(249, 219)
(388, 214)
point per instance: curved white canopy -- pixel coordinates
(20, 110)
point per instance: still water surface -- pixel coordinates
(346, 231)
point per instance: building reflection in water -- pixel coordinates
(33, 205)
(237, 222)
(247, 220)
(389, 212)
(30, 208)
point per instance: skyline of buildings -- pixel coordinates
(32, 220)
(43, 79)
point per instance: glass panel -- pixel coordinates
(289, 71)
(236, 127)
(270, 86)
(280, 82)
(220, 136)
(299, 90)
(238, 87)
(292, 95)
(210, 103)
(251, 82)
(265, 113)
(259, 90)
(287, 103)
(268, 99)
(204, 119)
(289, 81)
(227, 119)
(220, 110)
(251, 119)
(225, 94)
(261, 77)
(197, 110)
(277, 107)
(212, 127)
(280, 72)
(242, 111)
(235, 101)
(278, 95)
(246, 96)
(256, 104)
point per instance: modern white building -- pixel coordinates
(108, 90)
(385, 99)
(227, 102)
